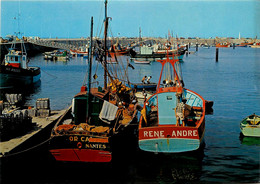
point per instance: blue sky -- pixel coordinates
(71, 19)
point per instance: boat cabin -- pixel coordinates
(16, 59)
(87, 107)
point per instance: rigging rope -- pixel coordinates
(28, 149)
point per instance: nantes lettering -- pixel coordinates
(96, 146)
(175, 133)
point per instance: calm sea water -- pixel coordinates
(233, 83)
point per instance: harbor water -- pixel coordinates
(233, 83)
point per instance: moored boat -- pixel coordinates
(98, 120)
(15, 70)
(222, 45)
(250, 126)
(141, 61)
(141, 86)
(173, 119)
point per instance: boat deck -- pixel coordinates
(9, 147)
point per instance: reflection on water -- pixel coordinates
(250, 141)
(27, 91)
(232, 83)
(181, 167)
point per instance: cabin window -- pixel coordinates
(169, 97)
(16, 58)
(12, 58)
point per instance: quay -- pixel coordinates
(31, 139)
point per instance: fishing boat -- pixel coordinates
(98, 119)
(148, 53)
(173, 119)
(14, 69)
(250, 126)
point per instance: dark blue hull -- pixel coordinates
(11, 76)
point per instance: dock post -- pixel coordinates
(216, 54)
(187, 50)
(234, 45)
(189, 44)
(197, 47)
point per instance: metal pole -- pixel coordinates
(90, 56)
(105, 47)
(89, 68)
(216, 54)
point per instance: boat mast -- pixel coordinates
(105, 46)
(90, 66)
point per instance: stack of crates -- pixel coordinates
(43, 107)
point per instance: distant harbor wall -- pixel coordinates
(31, 49)
(35, 46)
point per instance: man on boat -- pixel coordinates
(148, 79)
(143, 79)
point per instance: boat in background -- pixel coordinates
(56, 55)
(14, 69)
(79, 53)
(147, 52)
(143, 86)
(173, 119)
(250, 126)
(256, 45)
(205, 46)
(142, 61)
(223, 45)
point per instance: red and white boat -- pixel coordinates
(172, 119)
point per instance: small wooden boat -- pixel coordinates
(141, 86)
(172, 119)
(78, 53)
(141, 61)
(250, 126)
